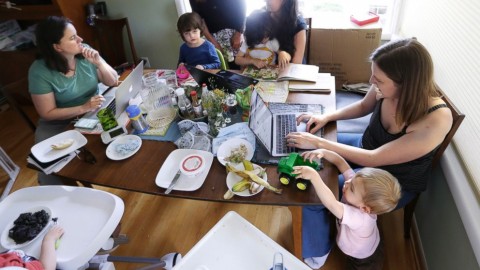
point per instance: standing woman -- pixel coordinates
(409, 121)
(63, 82)
(289, 28)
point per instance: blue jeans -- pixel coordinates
(316, 240)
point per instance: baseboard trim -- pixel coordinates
(419, 255)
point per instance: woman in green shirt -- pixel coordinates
(63, 82)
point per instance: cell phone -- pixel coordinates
(112, 134)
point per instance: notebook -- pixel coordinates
(223, 79)
(270, 128)
(117, 98)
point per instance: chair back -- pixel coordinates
(19, 98)
(457, 120)
(223, 64)
(110, 40)
(308, 21)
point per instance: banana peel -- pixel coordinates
(252, 176)
(242, 185)
(228, 195)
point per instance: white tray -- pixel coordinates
(88, 217)
(185, 183)
(43, 150)
(235, 244)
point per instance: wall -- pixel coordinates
(448, 213)
(446, 243)
(153, 24)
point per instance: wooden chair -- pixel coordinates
(307, 43)
(110, 41)
(223, 63)
(19, 98)
(457, 120)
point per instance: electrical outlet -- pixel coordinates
(146, 62)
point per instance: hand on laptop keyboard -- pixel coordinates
(314, 122)
(303, 140)
(96, 102)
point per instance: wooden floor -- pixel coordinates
(159, 225)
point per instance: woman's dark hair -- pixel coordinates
(257, 27)
(408, 63)
(47, 33)
(286, 24)
(189, 21)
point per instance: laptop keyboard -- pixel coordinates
(287, 124)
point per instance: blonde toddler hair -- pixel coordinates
(382, 190)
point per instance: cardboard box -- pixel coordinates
(344, 52)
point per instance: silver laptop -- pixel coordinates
(117, 98)
(271, 128)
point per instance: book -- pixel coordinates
(52, 166)
(324, 83)
(298, 72)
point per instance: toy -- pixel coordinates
(285, 168)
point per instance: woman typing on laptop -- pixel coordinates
(63, 82)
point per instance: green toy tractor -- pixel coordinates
(285, 168)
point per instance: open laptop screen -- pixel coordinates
(261, 121)
(128, 89)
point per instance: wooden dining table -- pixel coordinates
(138, 172)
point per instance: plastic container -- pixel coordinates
(156, 95)
(136, 117)
(197, 106)
(107, 119)
(184, 104)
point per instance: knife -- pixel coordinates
(174, 181)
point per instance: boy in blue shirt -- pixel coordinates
(196, 51)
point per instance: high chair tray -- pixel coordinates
(235, 244)
(88, 217)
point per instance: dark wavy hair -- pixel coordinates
(286, 24)
(409, 64)
(47, 33)
(189, 21)
(257, 27)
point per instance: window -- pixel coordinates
(336, 13)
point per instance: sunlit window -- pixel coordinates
(336, 13)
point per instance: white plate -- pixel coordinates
(227, 146)
(9, 243)
(112, 147)
(43, 150)
(185, 183)
(233, 178)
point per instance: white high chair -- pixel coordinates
(11, 169)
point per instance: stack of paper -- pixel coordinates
(324, 83)
(52, 166)
(272, 91)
